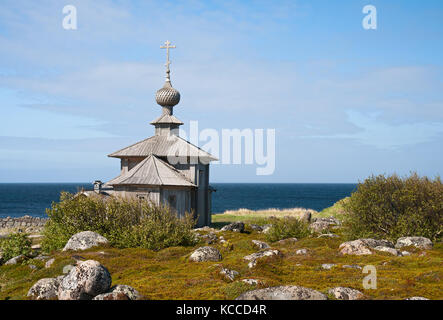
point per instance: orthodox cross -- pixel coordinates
(167, 46)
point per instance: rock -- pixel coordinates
(229, 274)
(328, 235)
(352, 266)
(49, 263)
(209, 238)
(44, 289)
(68, 268)
(85, 240)
(392, 251)
(418, 242)
(42, 257)
(15, 260)
(328, 266)
(36, 247)
(235, 227)
(343, 293)
(306, 216)
(405, 253)
(321, 224)
(33, 267)
(251, 282)
(206, 229)
(252, 258)
(266, 228)
(287, 241)
(129, 291)
(362, 246)
(205, 254)
(416, 298)
(260, 244)
(301, 251)
(111, 296)
(85, 281)
(256, 227)
(283, 293)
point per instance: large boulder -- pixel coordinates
(252, 258)
(419, 242)
(235, 227)
(283, 293)
(85, 240)
(87, 280)
(363, 246)
(205, 254)
(343, 293)
(44, 289)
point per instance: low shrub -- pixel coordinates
(124, 222)
(14, 245)
(393, 207)
(288, 227)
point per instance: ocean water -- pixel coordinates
(18, 199)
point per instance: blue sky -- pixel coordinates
(345, 102)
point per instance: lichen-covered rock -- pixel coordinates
(111, 296)
(343, 293)
(301, 251)
(283, 293)
(287, 241)
(416, 298)
(392, 251)
(85, 240)
(15, 260)
(363, 246)
(251, 282)
(418, 242)
(328, 266)
(209, 238)
(235, 227)
(87, 280)
(129, 291)
(44, 289)
(229, 274)
(68, 268)
(49, 263)
(252, 258)
(260, 244)
(321, 224)
(205, 254)
(266, 228)
(256, 227)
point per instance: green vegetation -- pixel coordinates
(14, 245)
(125, 223)
(392, 207)
(288, 227)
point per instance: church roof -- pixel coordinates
(163, 146)
(152, 171)
(167, 119)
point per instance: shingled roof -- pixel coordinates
(163, 146)
(152, 171)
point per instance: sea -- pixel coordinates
(19, 199)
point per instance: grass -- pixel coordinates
(168, 273)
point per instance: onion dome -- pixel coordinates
(167, 96)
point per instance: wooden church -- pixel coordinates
(165, 168)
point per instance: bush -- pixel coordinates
(125, 223)
(288, 227)
(393, 207)
(14, 245)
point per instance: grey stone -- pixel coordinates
(68, 268)
(328, 266)
(418, 242)
(363, 246)
(49, 263)
(205, 254)
(251, 282)
(85, 240)
(252, 258)
(283, 293)
(87, 280)
(343, 293)
(416, 298)
(229, 274)
(352, 266)
(16, 260)
(301, 251)
(33, 267)
(321, 224)
(392, 251)
(129, 291)
(266, 228)
(256, 227)
(44, 289)
(306, 216)
(287, 241)
(260, 244)
(235, 227)
(111, 296)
